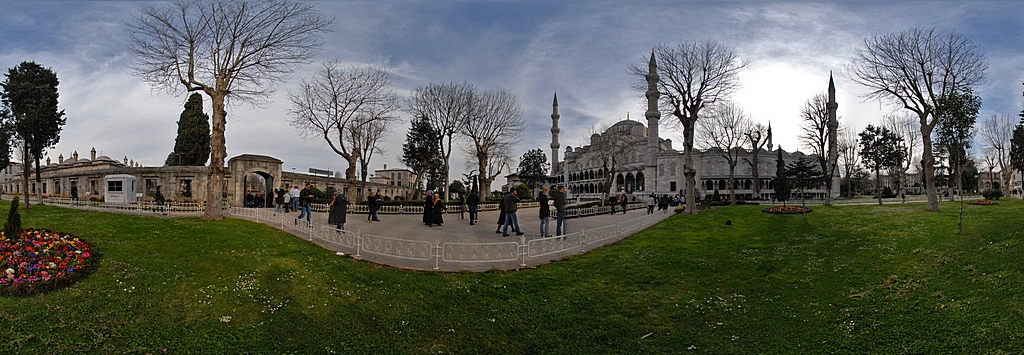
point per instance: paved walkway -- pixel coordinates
(402, 240)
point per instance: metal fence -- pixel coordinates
(140, 207)
(449, 256)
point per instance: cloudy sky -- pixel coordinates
(582, 49)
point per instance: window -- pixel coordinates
(114, 186)
(672, 186)
(185, 188)
(151, 187)
(44, 187)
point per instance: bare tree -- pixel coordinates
(447, 107)
(342, 105)
(232, 50)
(996, 134)
(366, 137)
(757, 138)
(692, 76)
(913, 69)
(848, 144)
(815, 136)
(724, 129)
(495, 123)
(904, 125)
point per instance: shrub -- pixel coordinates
(888, 193)
(992, 194)
(12, 228)
(716, 196)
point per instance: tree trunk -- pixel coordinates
(218, 151)
(732, 184)
(25, 174)
(928, 165)
(350, 176)
(689, 123)
(482, 177)
(1006, 181)
(755, 174)
(39, 183)
(878, 187)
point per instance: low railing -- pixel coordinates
(450, 256)
(140, 207)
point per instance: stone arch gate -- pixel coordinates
(241, 166)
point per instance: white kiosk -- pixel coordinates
(120, 188)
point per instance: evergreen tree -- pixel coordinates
(880, 150)
(422, 153)
(533, 168)
(783, 187)
(955, 130)
(802, 175)
(192, 146)
(30, 93)
(1017, 146)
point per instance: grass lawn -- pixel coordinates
(856, 280)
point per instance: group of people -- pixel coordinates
(509, 206)
(662, 202)
(433, 209)
(620, 200)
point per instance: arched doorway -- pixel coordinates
(259, 189)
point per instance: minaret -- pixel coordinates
(653, 114)
(769, 136)
(833, 128)
(554, 136)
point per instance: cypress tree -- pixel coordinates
(192, 146)
(12, 229)
(783, 187)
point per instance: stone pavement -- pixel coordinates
(403, 241)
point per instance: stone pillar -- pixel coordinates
(653, 114)
(554, 136)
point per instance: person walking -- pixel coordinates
(558, 194)
(622, 202)
(501, 215)
(545, 212)
(339, 210)
(650, 203)
(305, 200)
(428, 205)
(473, 202)
(294, 194)
(436, 211)
(373, 202)
(613, 201)
(511, 202)
(286, 199)
(279, 200)
(159, 197)
(74, 194)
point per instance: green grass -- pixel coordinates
(855, 280)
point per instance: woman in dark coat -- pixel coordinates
(501, 216)
(437, 210)
(427, 204)
(339, 208)
(622, 202)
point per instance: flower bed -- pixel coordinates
(786, 210)
(983, 202)
(39, 260)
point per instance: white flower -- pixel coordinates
(225, 319)
(10, 271)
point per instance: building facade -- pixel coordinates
(247, 177)
(629, 157)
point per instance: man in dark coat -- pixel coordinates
(558, 194)
(339, 209)
(545, 212)
(613, 200)
(511, 202)
(305, 199)
(473, 202)
(622, 202)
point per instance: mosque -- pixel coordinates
(631, 158)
